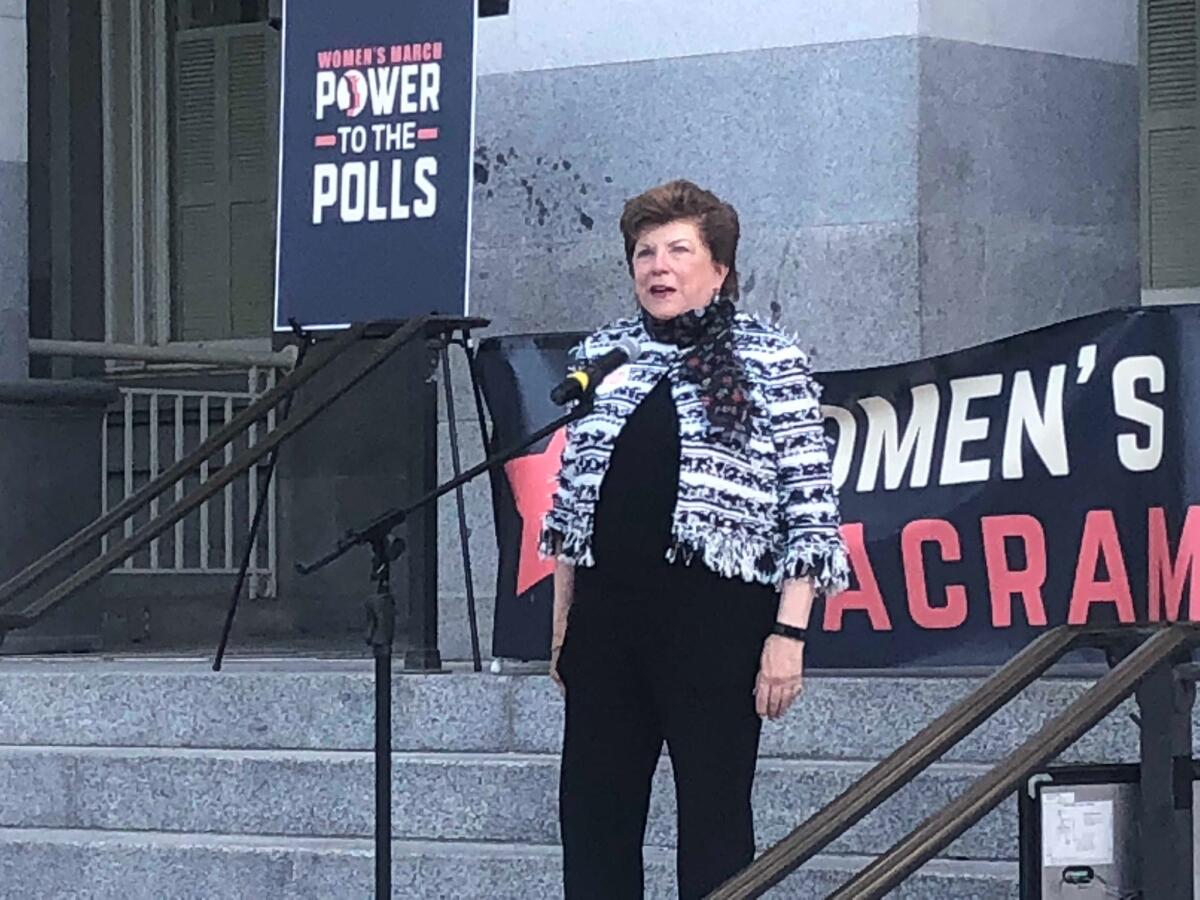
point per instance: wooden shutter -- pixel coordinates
(252, 181)
(225, 139)
(1170, 64)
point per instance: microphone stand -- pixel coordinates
(381, 622)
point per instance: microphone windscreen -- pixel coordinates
(631, 347)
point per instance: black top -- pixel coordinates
(632, 530)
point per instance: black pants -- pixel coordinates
(675, 662)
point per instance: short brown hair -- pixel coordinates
(678, 200)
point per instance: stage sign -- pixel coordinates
(377, 109)
(986, 495)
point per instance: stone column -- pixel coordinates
(50, 451)
(1028, 165)
(14, 163)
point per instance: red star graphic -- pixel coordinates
(533, 479)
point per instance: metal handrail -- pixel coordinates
(238, 466)
(214, 356)
(164, 482)
(989, 791)
(893, 773)
(924, 748)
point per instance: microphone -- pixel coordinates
(579, 384)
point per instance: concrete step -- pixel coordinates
(314, 704)
(53, 864)
(436, 796)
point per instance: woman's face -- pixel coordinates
(673, 270)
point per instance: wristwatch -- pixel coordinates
(790, 631)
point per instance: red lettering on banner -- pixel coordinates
(1004, 582)
(429, 51)
(1100, 541)
(324, 59)
(867, 598)
(1167, 577)
(942, 533)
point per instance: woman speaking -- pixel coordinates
(695, 522)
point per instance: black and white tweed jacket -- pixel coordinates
(764, 513)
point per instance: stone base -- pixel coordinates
(122, 776)
(50, 482)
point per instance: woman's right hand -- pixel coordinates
(554, 676)
(564, 594)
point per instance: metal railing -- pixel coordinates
(918, 753)
(150, 429)
(18, 610)
(141, 353)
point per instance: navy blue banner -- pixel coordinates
(986, 495)
(375, 160)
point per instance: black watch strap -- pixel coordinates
(790, 631)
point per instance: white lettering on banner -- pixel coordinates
(325, 190)
(883, 441)
(431, 87)
(354, 191)
(399, 209)
(376, 211)
(354, 138)
(381, 84)
(407, 89)
(392, 136)
(1086, 362)
(962, 429)
(375, 190)
(1133, 454)
(1045, 427)
(326, 92)
(1033, 427)
(369, 191)
(426, 168)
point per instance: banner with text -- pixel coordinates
(986, 494)
(375, 160)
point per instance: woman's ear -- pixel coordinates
(721, 271)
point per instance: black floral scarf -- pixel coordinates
(710, 362)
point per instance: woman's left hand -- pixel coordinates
(780, 675)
